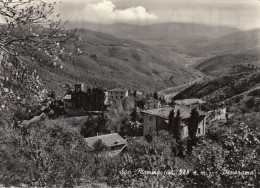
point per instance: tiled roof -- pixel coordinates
(189, 101)
(108, 139)
(164, 112)
(118, 89)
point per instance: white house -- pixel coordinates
(117, 94)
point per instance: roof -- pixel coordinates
(209, 107)
(109, 140)
(164, 112)
(149, 100)
(118, 89)
(67, 97)
(189, 101)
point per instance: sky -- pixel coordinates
(242, 14)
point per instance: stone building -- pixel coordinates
(158, 119)
(117, 94)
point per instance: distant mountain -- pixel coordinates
(181, 37)
(238, 42)
(109, 62)
(222, 88)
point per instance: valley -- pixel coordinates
(177, 100)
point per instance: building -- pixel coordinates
(91, 99)
(67, 101)
(190, 103)
(158, 119)
(215, 112)
(147, 103)
(152, 103)
(113, 141)
(117, 94)
(76, 99)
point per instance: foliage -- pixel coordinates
(94, 126)
(44, 154)
(222, 88)
(155, 95)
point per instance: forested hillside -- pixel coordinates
(223, 64)
(107, 61)
(222, 88)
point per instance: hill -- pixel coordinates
(109, 62)
(180, 37)
(222, 88)
(223, 64)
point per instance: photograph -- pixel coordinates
(130, 93)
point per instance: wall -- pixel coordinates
(115, 95)
(161, 124)
(148, 123)
(202, 127)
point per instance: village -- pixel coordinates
(108, 93)
(149, 113)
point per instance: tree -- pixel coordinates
(52, 94)
(99, 146)
(89, 128)
(134, 115)
(155, 95)
(135, 93)
(30, 31)
(52, 153)
(171, 120)
(102, 124)
(31, 26)
(193, 124)
(177, 126)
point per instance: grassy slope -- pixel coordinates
(118, 62)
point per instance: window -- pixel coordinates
(198, 130)
(122, 93)
(121, 97)
(150, 129)
(150, 118)
(116, 97)
(112, 97)
(116, 92)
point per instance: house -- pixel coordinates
(113, 141)
(158, 119)
(91, 99)
(147, 103)
(67, 101)
(214, 111)
(117, 94)
(75, 99)
(152, 103)
(191, 103)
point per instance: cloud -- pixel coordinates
(106, 12)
